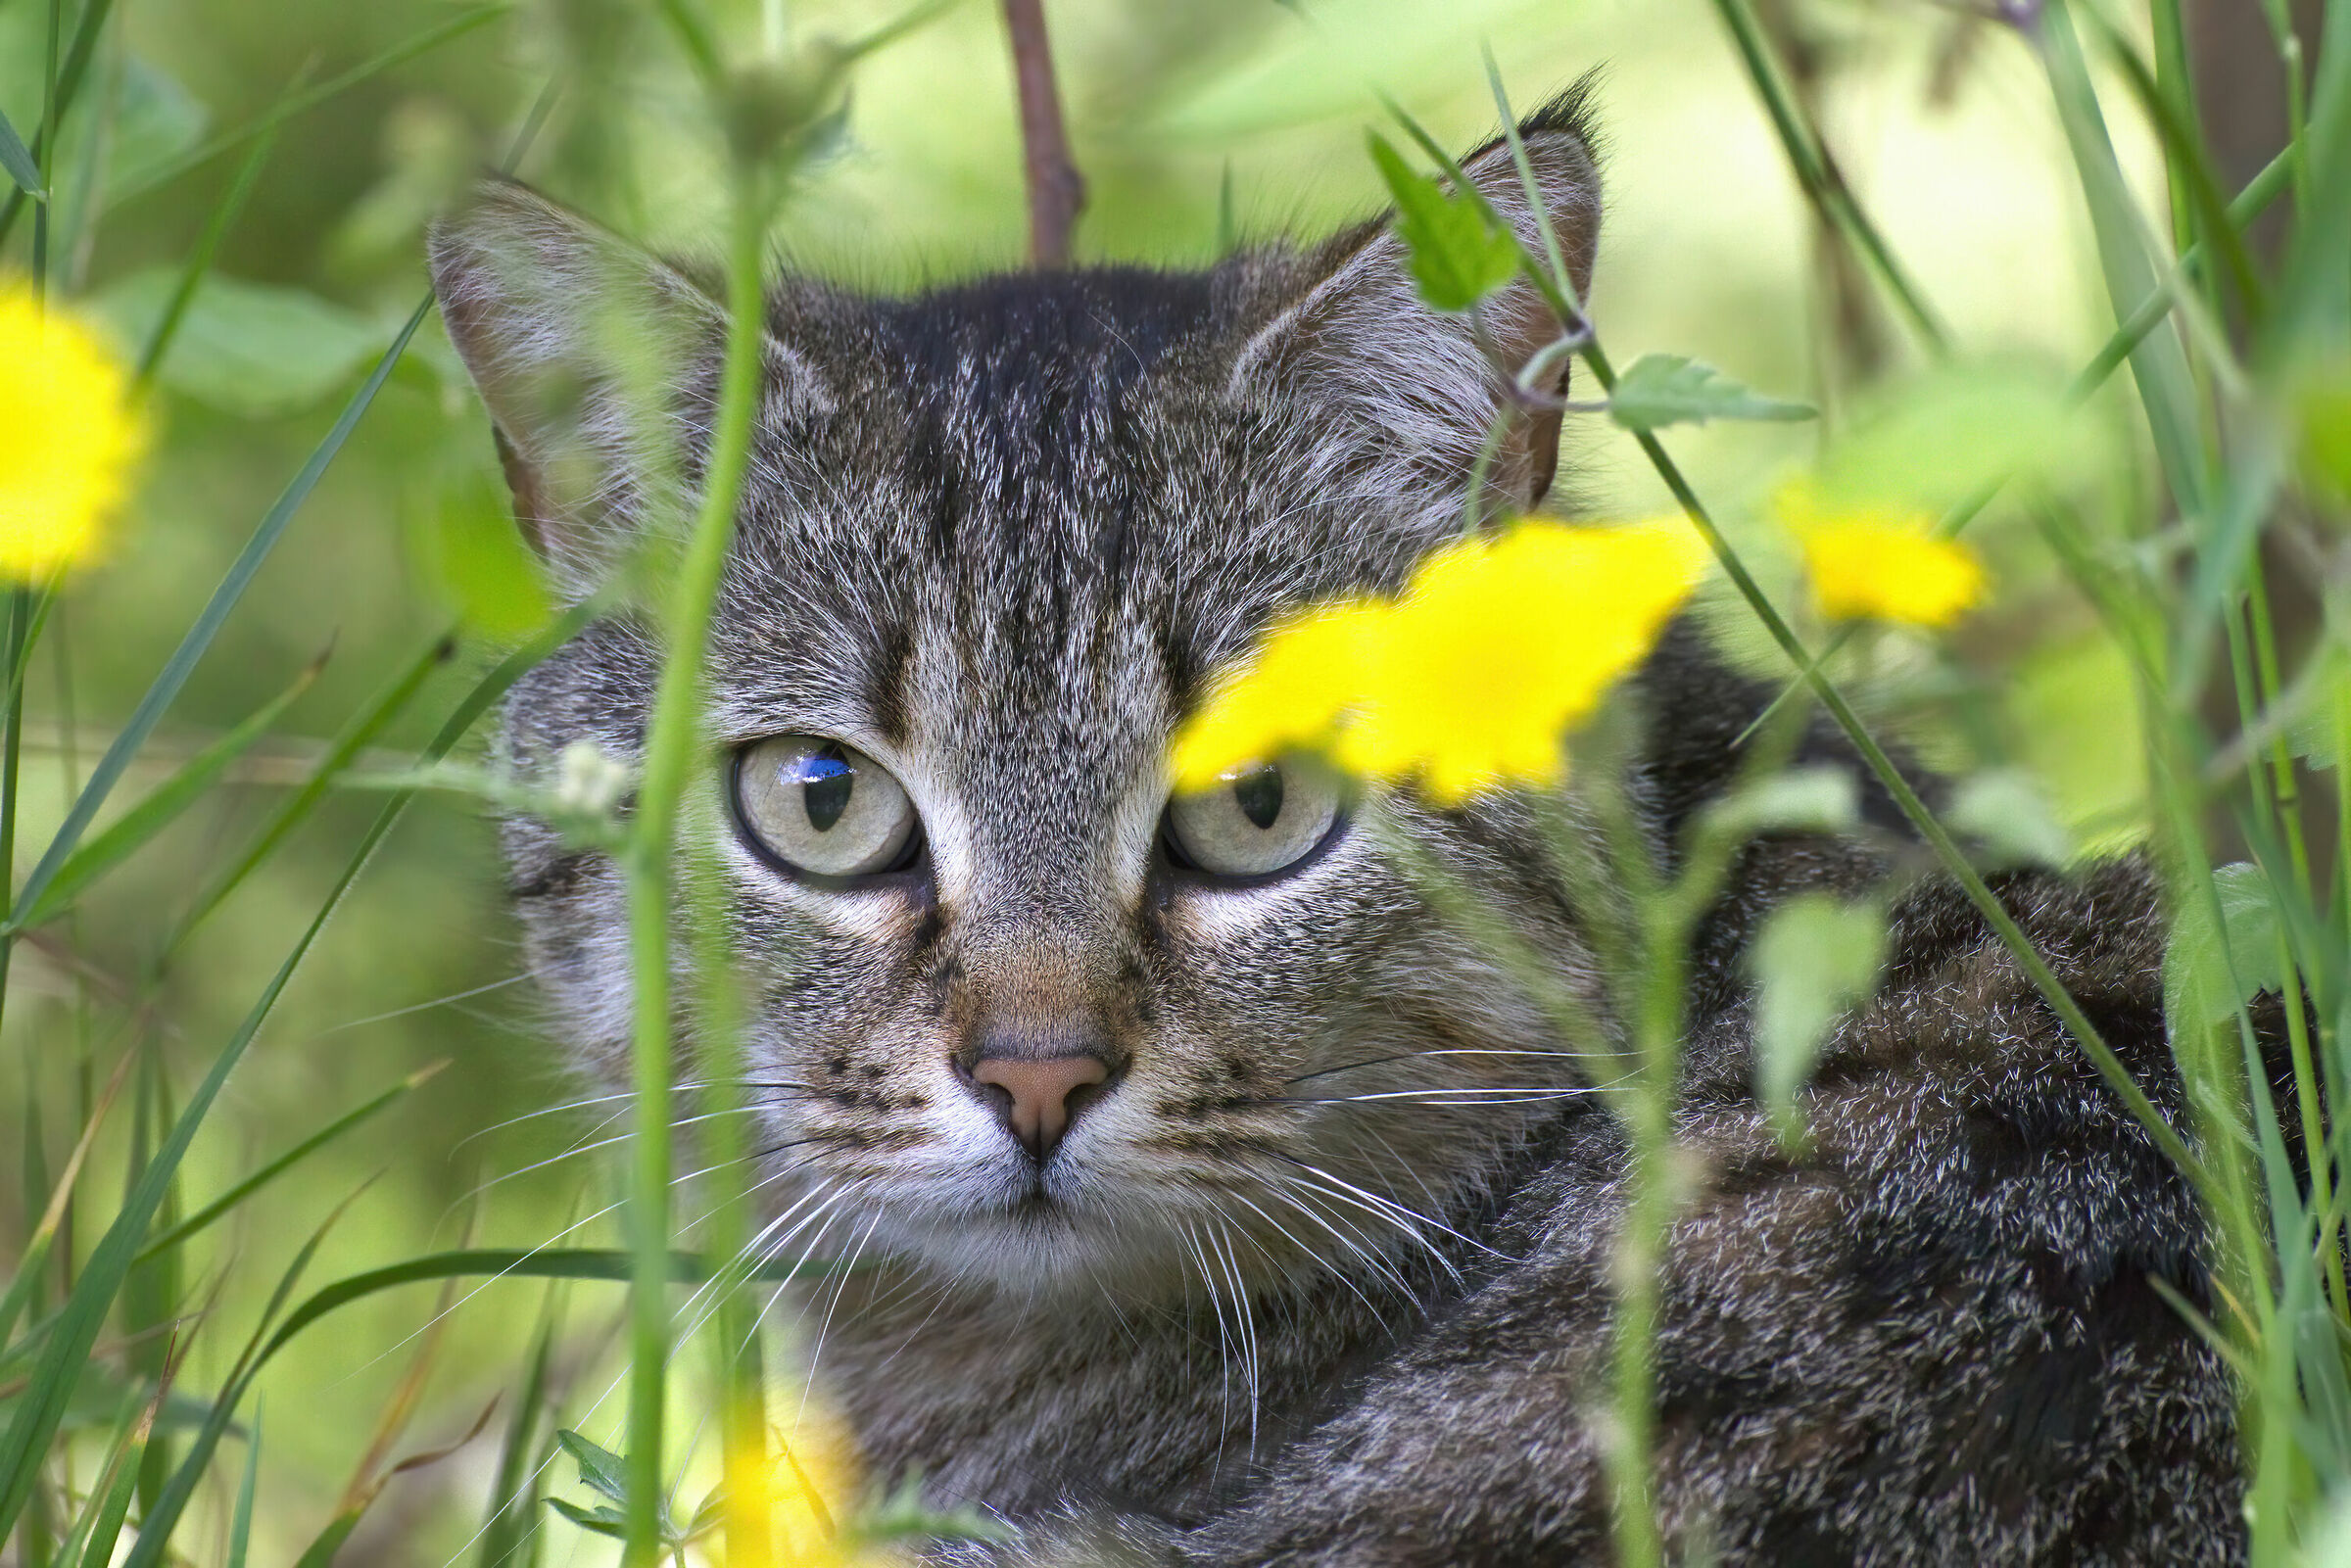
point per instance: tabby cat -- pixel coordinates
(1186, 1234)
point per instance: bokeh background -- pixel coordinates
(1193, 120)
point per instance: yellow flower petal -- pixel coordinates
(1880, 563)
(1497, 650)
(69, 437)
(1306, 672)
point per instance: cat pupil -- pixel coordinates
(1260, 796)
(826, 781)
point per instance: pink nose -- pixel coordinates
(1037, 1098)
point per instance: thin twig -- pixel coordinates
(1056, 190)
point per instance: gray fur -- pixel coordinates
(996, 536)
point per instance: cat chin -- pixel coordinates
(1046, 1245)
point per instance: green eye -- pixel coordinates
(1257, 820)
(821, 807)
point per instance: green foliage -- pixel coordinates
(1659, 390)
(15, 160)
(1815, 958)
(1456, 251)
(255, 349)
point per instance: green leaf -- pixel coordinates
(902, 1517)
(255, 349)
(155, 121)
(602, 1471)
(1815, 958)
(2010, 817)
(17, 162)
(476, 555)
(1933, 440)
(192, 782)
(604, 1520)
(1666, 389)
(2203, 981)
(1801, 800)
(1455, 250)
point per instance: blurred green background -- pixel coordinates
(1940, 121)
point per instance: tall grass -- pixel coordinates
(2241, 365)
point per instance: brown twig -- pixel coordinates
(1056, 190)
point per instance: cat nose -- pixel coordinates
(1038, 1097)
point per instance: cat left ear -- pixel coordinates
(599, 361)
(1414, 390)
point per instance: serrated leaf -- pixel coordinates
(1815, 958)
(602, 1471)
(1453, 250)
(255, 349)
(1670, 388)
(2005, 812)
(2203, 981)
(17, 160)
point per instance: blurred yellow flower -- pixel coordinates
(781, 1500)
(1471, 680)
(68, 437)
(1880, 563)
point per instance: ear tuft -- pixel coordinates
(1415, 390)
(567, 329)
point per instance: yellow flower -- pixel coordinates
(1305, 674)
(69, 437)
(1497, 648)
(1880, 563)
(784, 1500)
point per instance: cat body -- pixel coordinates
(1305, 1257)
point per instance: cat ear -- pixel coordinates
(600, 365)
(1415, 390)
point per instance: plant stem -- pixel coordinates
(673, 753)
(1056, 190)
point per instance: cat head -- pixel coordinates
(1013, 1014)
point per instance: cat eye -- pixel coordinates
(824, 808)
(1257, 820)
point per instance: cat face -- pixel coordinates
(1013, 1014)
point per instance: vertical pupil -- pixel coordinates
(826, 779)
(1260, 796)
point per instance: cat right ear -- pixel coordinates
(598, 363)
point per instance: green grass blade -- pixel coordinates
(102, 1516)
(1817, 172)
(296, 808)
(240, 1524)
(162, 1516)
(200, 259)
(237, 1194)
(2159, 362)
(77, 1327)
(76, 64)
(17, 160)
(2191, 165)
(192, 782)
(267, 123)
(514, 1511)
(182, 663)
